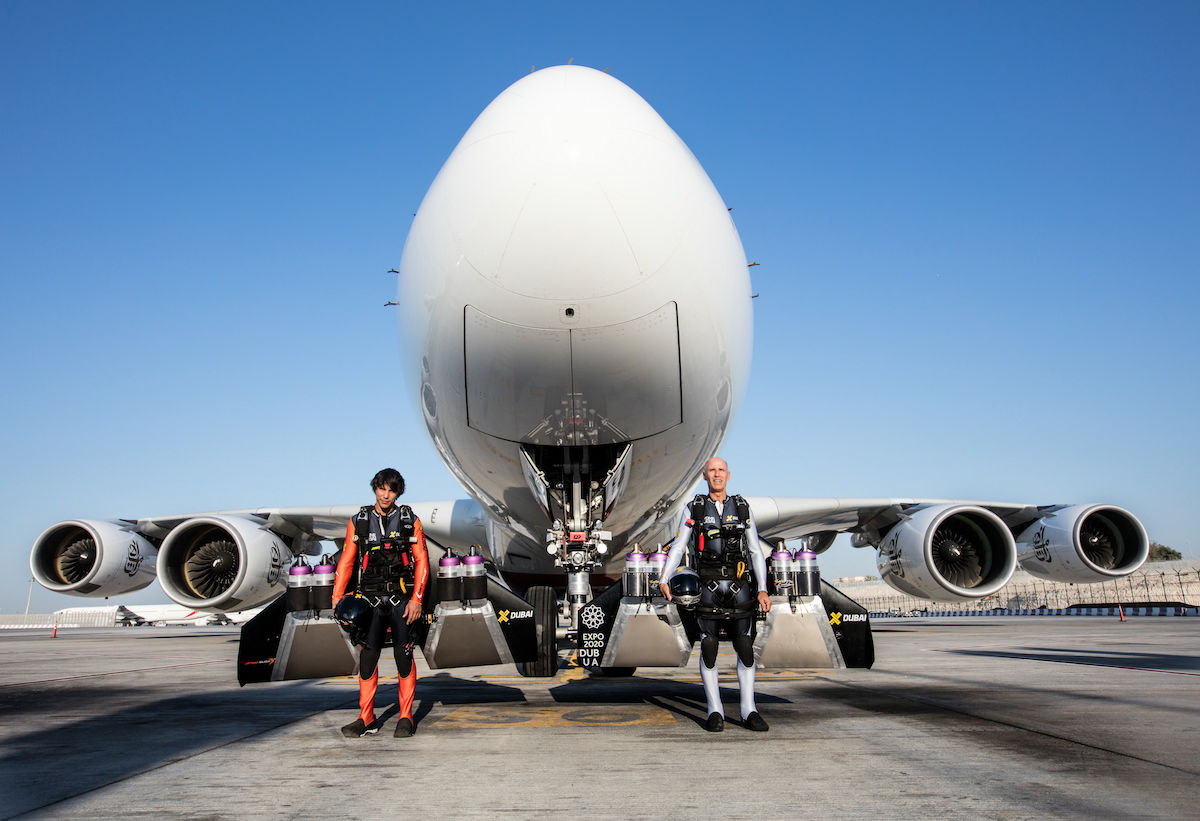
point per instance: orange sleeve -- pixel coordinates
(345, 565)
(421, 557)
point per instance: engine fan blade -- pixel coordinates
(75, 561)
(212, 568)
(957, 557)
(1100, 542)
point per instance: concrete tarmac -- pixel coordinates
(961, 718)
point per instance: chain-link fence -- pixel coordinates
(1180, 584)
(101, 618)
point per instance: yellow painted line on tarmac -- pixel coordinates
(573, 672)
(477, 716)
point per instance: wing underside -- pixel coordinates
(947, 549)
(940, 549)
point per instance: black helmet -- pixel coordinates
(685, 588)
(354, 615)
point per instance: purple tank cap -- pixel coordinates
(805, 554)
(658, 558)
(449, 561)
(299, 570)
(779, 555)
(325, 569)
(472, 559)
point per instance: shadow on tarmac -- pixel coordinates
(124, 731)
(443, 688)
(954, 695)
(684, 699)
(1100, 658)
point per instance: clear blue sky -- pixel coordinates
(978, 226)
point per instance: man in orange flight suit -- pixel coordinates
(384, 563)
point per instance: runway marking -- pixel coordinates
(573, 672)
(117, 672)
(477, 716)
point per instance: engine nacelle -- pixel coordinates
(948, 553)
(92, 558)
(223, 563)
(1083, 543)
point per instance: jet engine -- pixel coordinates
(948, 553)
(1083, 543)
(223, 563)
(92, 558)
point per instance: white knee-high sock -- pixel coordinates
(746, 687)
(712, 690)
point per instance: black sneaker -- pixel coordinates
(716, 723)
(404, 728)
(359, 728)
(756, 723)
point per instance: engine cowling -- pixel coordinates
(92, 558)
(1083, 543)
(948, 553)
(223, 563)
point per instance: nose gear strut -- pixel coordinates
(578, 550)
(577, 486)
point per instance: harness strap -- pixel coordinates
(725, 613)
(397, 576)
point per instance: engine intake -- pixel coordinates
(223, 563)
(92, 558)
(1083, 543)
(948, 553)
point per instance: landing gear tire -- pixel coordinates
(545, 612)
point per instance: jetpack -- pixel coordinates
(811, 624)
(470, 618)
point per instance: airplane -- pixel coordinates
(138, 615)
(575, 307)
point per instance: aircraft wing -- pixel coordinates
(225, 560)
(949, 550)
(455, 522)
(783, 517)
(309, 523)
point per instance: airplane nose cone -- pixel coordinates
(570, 185)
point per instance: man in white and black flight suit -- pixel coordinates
(732, 569)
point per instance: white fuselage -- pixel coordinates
(573, 278)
